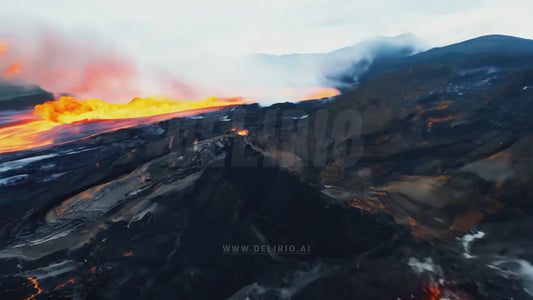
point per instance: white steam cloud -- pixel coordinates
(88, 67)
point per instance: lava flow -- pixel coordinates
(35, 284)
(68, 110)
(319, 93)
(55, 119)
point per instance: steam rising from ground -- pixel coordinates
(88, 67)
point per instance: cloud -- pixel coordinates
(162, 31)
(89, 67)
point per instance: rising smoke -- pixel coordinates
(87, 67)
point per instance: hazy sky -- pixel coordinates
(159, 33)
(170, 28)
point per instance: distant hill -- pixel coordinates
(491, 50)
(18, 97)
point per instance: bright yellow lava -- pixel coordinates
(67, 110)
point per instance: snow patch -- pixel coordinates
(516, 268)
(298, 118)
(12, 179)
(53, 177)
(51, 270)
(467, 239)
(20, 163)
(80, 150)
(424, 266)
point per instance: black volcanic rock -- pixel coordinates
(188, 203)
(441, 138)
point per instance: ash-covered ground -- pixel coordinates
(414, 184)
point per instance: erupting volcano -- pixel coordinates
(403, 175)
(63, 120)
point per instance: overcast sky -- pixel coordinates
(159, 32)
(177, 27)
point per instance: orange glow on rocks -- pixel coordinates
(243, 132)
(433, 292)
(431, 121)
(33, 281)
(443, 105)
(319, 93)
(64, 284)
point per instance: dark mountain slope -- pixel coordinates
(16, 97)
(492, 51)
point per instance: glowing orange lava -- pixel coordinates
(431, 121)
(433, 292)
(33, 281)
(24, 136)
(319, 93)
(443, 105)
(68, 110)
(243, 132)
(64, 284)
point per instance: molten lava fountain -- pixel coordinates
(52, 121)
